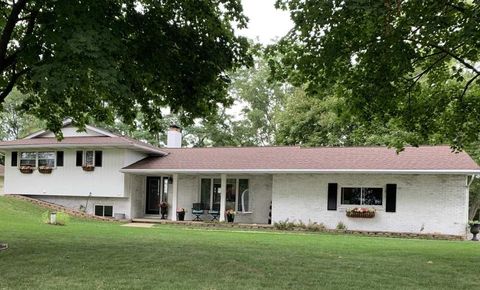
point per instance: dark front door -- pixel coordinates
(154, 189)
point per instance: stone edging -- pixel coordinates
(57, 207)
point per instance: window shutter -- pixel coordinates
(98, 158)
(59, 158)
(79, 158)
(332, 196)
(14, 160)
(391, 204)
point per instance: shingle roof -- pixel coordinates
(2, 170)
(424, 158)
(80, 141)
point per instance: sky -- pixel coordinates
(266, 22)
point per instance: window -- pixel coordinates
(28, 159)
(237, 193)
(362, 196)
(104, 210)
(89, 158)
(46, 159)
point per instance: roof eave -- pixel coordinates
(309, 171)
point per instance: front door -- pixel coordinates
(154, 190)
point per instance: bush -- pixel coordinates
(61, 220)
(288, 226)
(341, 226)
(284, 225)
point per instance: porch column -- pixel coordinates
(223, 196)
(175, 196)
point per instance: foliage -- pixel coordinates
(106, 59)
(14, 122)
(341, 226)
(62, 218)
(408, 65)
(474, 223)
(285, 225)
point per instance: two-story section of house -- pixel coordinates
(81, 171)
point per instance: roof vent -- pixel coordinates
(174, 137)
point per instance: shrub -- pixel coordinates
(284, 225)
(61, 220)
(341, 226)
(315, 227)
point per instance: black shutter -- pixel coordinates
(60, 158)
(79, 158)
(14, 158)
(391, 203)
(98, 158)
(332, 196)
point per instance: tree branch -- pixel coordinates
(9, 27)
(11, 83)
(467, 85)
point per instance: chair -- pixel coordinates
(197, 211)
(215, 211)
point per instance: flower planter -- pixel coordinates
(181, 215)
(230, 218)
(353, 214)
(164, 212)
(45, 170)
(88, 168)
(475, 229)
(26, 170)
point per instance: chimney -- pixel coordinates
(174, 137)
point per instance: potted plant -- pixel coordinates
(27, 169)
(164, 209)
(361, 212)
(181, 214)
(88, 167)
(45, 169)
(474, 229)
(230, 214)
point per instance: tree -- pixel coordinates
(408, 63)
(105, 59)
(15, 123)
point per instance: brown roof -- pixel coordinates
(425, 158)
(80, 141)
(2, 170)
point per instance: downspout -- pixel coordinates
(471, 180)
(468, 202)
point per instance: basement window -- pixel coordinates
(104, 210)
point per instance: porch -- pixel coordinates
(249, 195)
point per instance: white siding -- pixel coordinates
(70, 180)
(71, 131)
(425, 203)
(1, 184)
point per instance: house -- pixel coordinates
(2, 170)
(420, 190)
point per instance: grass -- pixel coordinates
(99, 255)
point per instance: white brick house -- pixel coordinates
(421, 190)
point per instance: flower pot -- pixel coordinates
(181, 215)
(164, 212)
(26, 170)
(475, 229)
(45, 170)
(230, 218)
(88, 168)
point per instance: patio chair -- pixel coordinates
(215, 211)
(197, 211)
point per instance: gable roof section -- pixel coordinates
(425, 159)
(105, 139)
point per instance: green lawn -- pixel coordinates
(87, 254)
